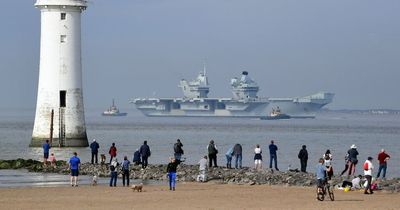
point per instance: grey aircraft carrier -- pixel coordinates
(244, 103)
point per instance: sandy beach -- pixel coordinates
(189, 196)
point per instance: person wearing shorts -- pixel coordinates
(257, 157)
(46, 149)
(74, 164)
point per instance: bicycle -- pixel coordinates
(325, 189)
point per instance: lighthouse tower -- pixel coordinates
(60, 75)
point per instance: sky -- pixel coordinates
(142, 48)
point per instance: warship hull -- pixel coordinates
(299, 107)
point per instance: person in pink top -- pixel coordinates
(52, 159)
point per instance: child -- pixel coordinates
(52, 160)
(171, 170)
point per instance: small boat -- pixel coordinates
(276, 114)
(113, 111)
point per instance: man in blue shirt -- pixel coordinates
(74, 164)
(272, 155)
(321, 174)
(46, 150)
(94, 146)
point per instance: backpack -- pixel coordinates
(326, 157)
(212, 149)
(366, 166)
(177, 148)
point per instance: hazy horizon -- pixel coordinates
(142, 48)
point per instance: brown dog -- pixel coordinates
(138, 187)
(102, 159)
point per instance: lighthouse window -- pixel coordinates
(63, 94)
(63, 38)
(63, 16)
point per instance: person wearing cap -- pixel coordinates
(303, 156)
(383, 157)
(352, 159)
(368, 167)
(94, 147)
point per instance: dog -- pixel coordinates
(102, 159)
(94, 180)
(138, 187)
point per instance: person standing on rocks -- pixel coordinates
(114, 172)
(145, 153)
(257, 157)
(113, 152)
(272, 155)
(228, 156)
(202, 177)
(212, 153)
(328, 163)
(136, 157)
(353, 153)
(125, 171)
(171, 173)
(46, 150)
(178, 151)
(346, 164)
(383, 157)
(237, 152)
(368, 167)
(74, 164)
(94, 147)
(303, 156)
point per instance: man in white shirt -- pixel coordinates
(368, 174)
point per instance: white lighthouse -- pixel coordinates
(60, 75)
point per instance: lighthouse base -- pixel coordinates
(69, 142)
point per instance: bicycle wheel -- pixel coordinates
(330, 192)
(320, 195)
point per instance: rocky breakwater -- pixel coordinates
(189, 173)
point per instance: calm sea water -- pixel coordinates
(334, 131)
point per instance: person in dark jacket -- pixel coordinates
(94, 147)
(212, 153)
(237, 152)
(272, 155)
(136, 157)
(303, 156)
(112, 151)
(352, 159)
(145, 153)
(171, 172)
(125, 171)
(178, 151)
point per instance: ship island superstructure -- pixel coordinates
(244, 103)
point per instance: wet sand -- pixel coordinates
(189, 196)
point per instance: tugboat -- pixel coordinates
(276, 114)
(113, 111)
